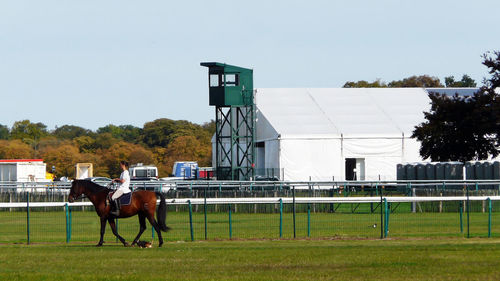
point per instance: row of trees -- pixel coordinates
(160, 142)
(422, 81)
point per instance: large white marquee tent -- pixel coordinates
(338, 133)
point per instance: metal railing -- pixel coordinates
(345, 215)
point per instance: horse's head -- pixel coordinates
(76, 190)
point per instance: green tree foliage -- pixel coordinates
(492, 61)
(209, 127)
(161, 132)
(104, 141)
(466, 82)
(365, 84)
(26, 130)
(463, 128)
(422, 81)
(4, 132)
(70, 132)
(127, 133)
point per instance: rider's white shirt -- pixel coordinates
(125, 186)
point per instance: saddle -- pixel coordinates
(123, 200)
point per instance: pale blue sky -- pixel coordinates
(95, 62)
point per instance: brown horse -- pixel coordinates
(143, 204)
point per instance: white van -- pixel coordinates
(140, 171)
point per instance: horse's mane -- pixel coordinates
(91, 186)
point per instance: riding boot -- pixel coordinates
(115, 207)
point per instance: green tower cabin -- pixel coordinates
(231, 92)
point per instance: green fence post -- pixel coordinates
(294, 232)
(70, 222)
(191, 219)
(308, 220)
(386, 224)
(489, 217)
(205, 211)
(281, 217)
(468, 213)
(28, 217)
(461, 210)
(389, 206)
(381, 214)
(230, 224)
(67, 222)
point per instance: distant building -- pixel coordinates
(339, 133)
(23, 170)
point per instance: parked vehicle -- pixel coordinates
(143, 172)
(100, 180)
(185, 169)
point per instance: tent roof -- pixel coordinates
(332, 112)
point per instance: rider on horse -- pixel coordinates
(124, 181)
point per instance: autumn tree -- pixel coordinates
(186, 148)
(160, 132)
(15, 149)
(85, 144)
(63, 157)
(133, 153)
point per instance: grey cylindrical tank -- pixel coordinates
(430, 171)
(439, 171)
(487, 171)
(400, 172)
(411, 172)
(453, 171)
(470, 171)
(496, 170)
(478, 171)
(421, 172)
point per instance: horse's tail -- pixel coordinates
(161, 213)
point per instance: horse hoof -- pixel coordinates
(99, 245)
(126, 244)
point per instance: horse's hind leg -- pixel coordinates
(155, 225)
(142, 227)
(113, 228)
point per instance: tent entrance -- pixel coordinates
(354, 169)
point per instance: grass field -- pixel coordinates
(409, 259)
(50, 225)
(343, 246)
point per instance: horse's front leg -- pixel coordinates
(103, 229)
(113, 228)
